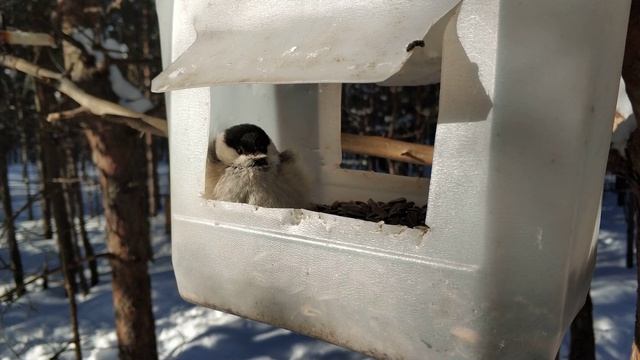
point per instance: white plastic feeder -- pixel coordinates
(528, 93)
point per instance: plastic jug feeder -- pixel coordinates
(528, 91)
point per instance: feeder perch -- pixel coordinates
(528, 89)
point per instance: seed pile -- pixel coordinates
(395, 212)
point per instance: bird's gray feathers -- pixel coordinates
(293, 179)
(280, 185)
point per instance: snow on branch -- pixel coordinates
(93, 104)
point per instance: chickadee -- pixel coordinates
(244, 166)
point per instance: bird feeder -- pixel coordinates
(528, 91)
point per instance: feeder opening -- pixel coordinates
(389, 129)
(355, 150)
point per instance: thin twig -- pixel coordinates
(57, 354)
(8, 295)
(17, 213)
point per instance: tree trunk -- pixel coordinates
(9, 226)
(583, 344)
(77, 254)
(86, 244)
(45, 201)
(74, 201)
(150, 144)
(73, 308)
(152, 175)
(167, 215)
(58, 204)
(67, 263)
(45, 276)
(50, 171)
(118, 153)
(24, 157)
(119, 156)
(63, 234)
(41, 161)
(62, 215)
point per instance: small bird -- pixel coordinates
(245, 166)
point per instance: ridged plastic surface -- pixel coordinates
(528, 95)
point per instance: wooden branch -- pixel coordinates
(386, 148)
(26, 38)
(132, 123)
(28, 68)
(95, 105)
(67, 114)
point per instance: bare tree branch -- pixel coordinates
(135, 124)
(387, 148)
(95, 105)
(8, 295)
(62, 349)
(26, 38)
(80, 111)
(67, 114)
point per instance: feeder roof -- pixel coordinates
(297, 41)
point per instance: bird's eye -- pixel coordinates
(260, 162)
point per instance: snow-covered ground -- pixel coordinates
(37, 325)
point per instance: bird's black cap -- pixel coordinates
(247, 139)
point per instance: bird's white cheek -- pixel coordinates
(226, 154)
